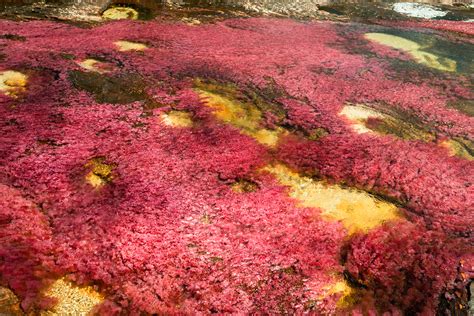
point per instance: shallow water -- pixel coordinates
(274, 157)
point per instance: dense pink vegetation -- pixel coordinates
(403, 265)
(25, 246)
(442, 25)
(168, 234)
(402, 173)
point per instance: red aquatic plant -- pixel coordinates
(164, 232)
(25, 248)
(403, 265)
(442, 25)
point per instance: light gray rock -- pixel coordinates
(418, 10)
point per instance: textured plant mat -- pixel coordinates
(248, 166)
(83, 12)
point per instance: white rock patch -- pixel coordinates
(418, 10)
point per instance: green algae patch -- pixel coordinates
(119, 89)
(347, 295)
(415, 50)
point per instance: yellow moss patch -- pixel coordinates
(392, 123)
(414, 49)
(9, 303)
(356, 209)
(267, 137)
(125, 46)
(206, 219)
(191, 21)
(177, 119)
(12, 82)
(456, 149)
(72, 300)
(100, 173)
(120, 13)
(244, 186)
(242, 116)
(358, 115)
(393, 41)
(433, 61)
(343, 289)
(94, 65)
(89, 64)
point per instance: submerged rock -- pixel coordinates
(415, 50)
(359, 115)
(471, 301)
(463, 148)
(244, 186)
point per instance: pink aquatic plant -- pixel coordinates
(162, 231)
(403, 265)
(463, 27)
